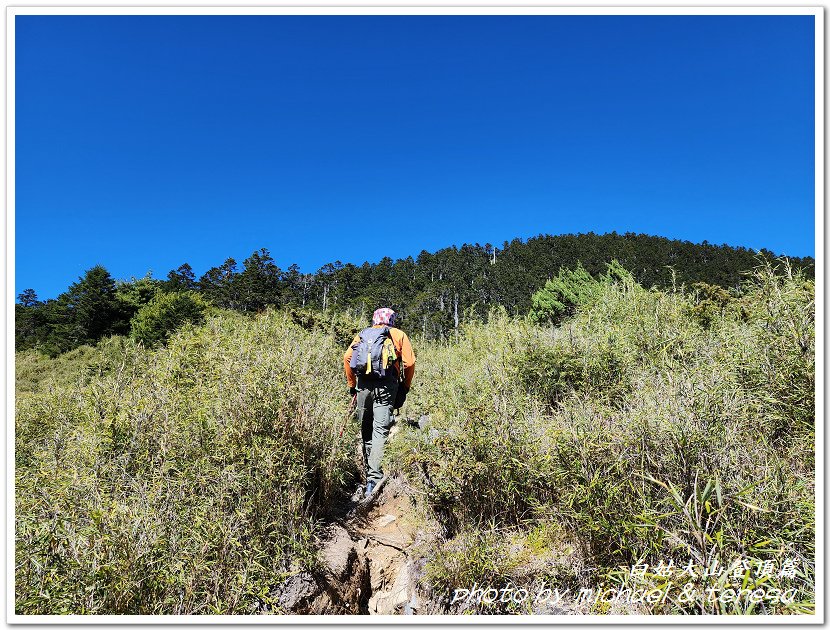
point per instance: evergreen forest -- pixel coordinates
(433, 293)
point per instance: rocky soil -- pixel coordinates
(368, 567)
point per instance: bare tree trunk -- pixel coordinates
(455, 310)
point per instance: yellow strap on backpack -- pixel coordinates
(389, 354)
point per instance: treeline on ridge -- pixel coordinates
(433, 292)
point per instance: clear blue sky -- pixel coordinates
(144, 142)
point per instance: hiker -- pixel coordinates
(373, 365)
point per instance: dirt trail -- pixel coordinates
(391, 533)
(367, 566)
(383, 536)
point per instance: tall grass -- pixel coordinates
(185, 480)
(649, 426)
(635, 432)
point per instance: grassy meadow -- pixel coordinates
(645, 427)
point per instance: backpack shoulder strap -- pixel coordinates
(399, 341)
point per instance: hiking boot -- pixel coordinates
(370, 485)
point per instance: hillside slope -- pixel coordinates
(649, 432)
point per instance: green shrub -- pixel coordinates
(553, 373)
(561, 295)
(341, 327)
(509, 558)
(186, 480)
(36, 372)
(710, 302)
(648, 432)
(572, 289)
(164, 314)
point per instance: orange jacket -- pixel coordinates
(403, 349)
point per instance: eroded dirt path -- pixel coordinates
(388, 533)
(368, 565)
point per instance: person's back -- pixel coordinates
(380, 385)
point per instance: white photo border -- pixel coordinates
(404, 9)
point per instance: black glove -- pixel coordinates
(352, 391)
(400, 397)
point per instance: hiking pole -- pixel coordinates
(352, 405)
